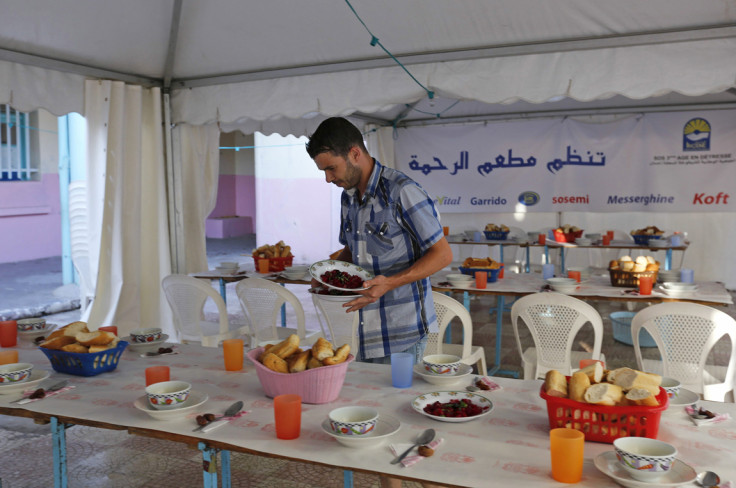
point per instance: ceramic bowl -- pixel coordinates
(678, 285)
(593, 236)
(671, 386)
(168, 395)
(15, 373)
(444, 364)
(460, 280)
(353, 421)
(295, 272)
(27, 325)
(141, 336)
(643, 458)
(583, 241)
(229, 264)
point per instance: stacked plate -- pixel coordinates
(460, 280)
(563, 285)
(444, 379)
(678, 289)
(668, 275)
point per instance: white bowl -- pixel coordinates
(441, 364)
(678, 285)
(564, 289)
(643, 458)
(462, 375)
(671, 386)
(353, 421)
(386, 426)
(35, 324)
(142, 336)
(15, 373)
(459, 277)
(583, 241)
(229, 264)
(561, 281)
(168, 395)
(658, 243)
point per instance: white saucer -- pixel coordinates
(677, 293)
(443, 379)
(679, 474)
(684, 398)
(195, 399)
(139, 347)
(37, 376)
(30, 335)
(386, 426)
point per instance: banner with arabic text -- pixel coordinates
(660, 162)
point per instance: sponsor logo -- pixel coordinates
(447, 200)
(529, 198)
(640, 199)
(703, 199)
(696, 135)
(571, 199)
(487, 201)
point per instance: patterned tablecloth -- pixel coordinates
(509, 447)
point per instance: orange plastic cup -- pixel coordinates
(645, 285)
(481, 279)
(287, 413)
(157, 374)
(9, 356)
(542, 239)
(8, 333)
(233, 351)
(606, 240)
(609, 233)
(446, 230)
(584, 363)
(263, 265)
(574, 275)
(110, 328)
(566, 448)
(500, 273)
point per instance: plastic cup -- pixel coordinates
(645, 285)
(157, 374)
(566, 448)
(548, 271)
(287, 413)
(584, 363)
(446, 230)
(481, 279)
(402, 369)
(500, 273)
(542, 238)
(687, 275)
(675, 240)
(263, 265)
(233, 352)
(9, 356)
(478, 236)
(574, 275)
(8, 333)
(110, 328)
(609, 233)
(606, 240)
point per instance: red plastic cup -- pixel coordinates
(287, 413)
(110, 328)
(645, 285)
(574, 275)
(500, 273)
(609, 233)
(542, 238)
(8, 333)
(157, 374)
(481, 279)
(606, 239)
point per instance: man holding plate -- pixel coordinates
(390, 226)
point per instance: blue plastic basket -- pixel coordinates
(622, 330)
(85, 364)
(492, 273)
(643, 239)
(496, 235)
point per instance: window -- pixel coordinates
(14, 146)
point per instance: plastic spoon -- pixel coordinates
(708, 479)
(424, 438)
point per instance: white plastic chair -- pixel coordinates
(685, 334)
(342, 326)
(554, 319)
(261, 301)
(79, 239)
(187, 297)
(447, 308)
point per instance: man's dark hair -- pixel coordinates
(335, 135)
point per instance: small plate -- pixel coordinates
(386, 426)
(678, 285)
(443, 379)
(321, 267)
(195, 400)
(334, 298)
(37, 376)
(677, 293)
(679, 474)
(30, 335)
(421, 401)
(684, 398)
(139, 347)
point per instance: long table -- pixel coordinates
(508, 447)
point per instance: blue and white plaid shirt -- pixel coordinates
(388, 231)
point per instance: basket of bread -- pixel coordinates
(279, 256)
(605, 405)
(495, 232)
(567, 233)
(643, 236)
(73, 349)
(315, 374)
(471, 265)
(626, 271)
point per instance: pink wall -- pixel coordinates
(236, 196)
(30, 219)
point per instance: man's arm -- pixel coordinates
(343, 255)
(437, 257)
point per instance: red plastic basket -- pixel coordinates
(568, 237)
(275, 264)
(601, 423)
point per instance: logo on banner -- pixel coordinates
(696, 135)
(529, 198)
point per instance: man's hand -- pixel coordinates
(371, 292)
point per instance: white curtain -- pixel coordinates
(129, 240)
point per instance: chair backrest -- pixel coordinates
(79, 239)
(187, 297)
(447, 308)
(261, 301)
(553, 320)
(685, 334)
(343, 326)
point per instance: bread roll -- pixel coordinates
(628, 265)
(628, 378)
(641, 396)
(604, 394)
(624, 259)
(594, 372)
(555, 384)
(74, 328)
(96, 338)
(340, 356)
(58, 342)
(642, 260)
(74, 347)
(287, 347)
(297, 362)
(613, 264)
(275, 363)
(313, 363)
(639, 268)
(322, 349)
(651, 260)
(578, 384)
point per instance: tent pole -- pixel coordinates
(172, 186)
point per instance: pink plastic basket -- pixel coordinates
(319, 385)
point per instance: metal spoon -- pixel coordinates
(472, 387)
(57, 386)
(708, 479)
(231, 410)
(424, 438)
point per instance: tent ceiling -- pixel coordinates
(237, 45)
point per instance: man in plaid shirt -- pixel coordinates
(390, 227)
